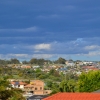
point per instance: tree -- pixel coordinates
(33, 61)
(63, 86)
(41, 61)
(52, 71)
(89, 82)
(25, 62)
(60, 61)
(14, 61)
(67, 86)
(7, 92)
(55, 88)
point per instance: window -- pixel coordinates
(40, 88)
(35, 88)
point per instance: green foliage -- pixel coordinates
(67, 86)
(42, 76)
(89, 82)
(37, 61)
(60, 61)
(55, 88)
(49, 84)
(3, 83)
(25, 62)
(14, 61)
(38, 70)
(33, 61)
(54, 73)
(8, 93)
(64, 86)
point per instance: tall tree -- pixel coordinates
(14, 61)
(25, 62)
(60, 61)
(33, 61)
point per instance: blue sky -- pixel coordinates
(50, 29)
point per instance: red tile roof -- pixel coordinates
(12, 82)
(22, 83)
(74, 96)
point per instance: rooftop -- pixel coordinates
(74, 96)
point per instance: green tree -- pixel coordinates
(7, 92)
(25, 62)
(55, 88)
(41, 61)
(67, 86)
(60, 61)
(33, 61)
(89, 82)
(64, 86)
(14, 61)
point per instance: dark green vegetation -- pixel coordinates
(89, 82)
(7, 92)
(32, 61)
(30, 74)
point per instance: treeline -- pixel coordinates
(11, 61)
(87, 82)
(33, 61)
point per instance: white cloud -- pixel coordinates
(25, 56)
(45, 56)
(93, 53)
(92, 47)
(19, 55)
(9, 56)
(42, 46)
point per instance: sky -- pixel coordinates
(50, 29)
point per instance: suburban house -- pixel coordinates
(35, 66)
(17, 84)
(70, 63)
(63, 69)
(26, 66)
(88, 68)
(36, 87)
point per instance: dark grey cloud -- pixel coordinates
(69, 26)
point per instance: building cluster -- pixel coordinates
(74, 67)
(34, 87)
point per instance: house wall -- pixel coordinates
(21, 86)
(37, 86)
(38, 92)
